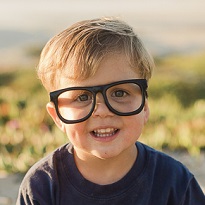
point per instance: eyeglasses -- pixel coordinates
(123, 98)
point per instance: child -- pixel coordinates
(97, 72)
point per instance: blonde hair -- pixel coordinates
(80, 48)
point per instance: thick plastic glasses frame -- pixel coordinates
(142, 83)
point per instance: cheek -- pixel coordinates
(135, 124)
(75, 132)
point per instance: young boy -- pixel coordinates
(97, 72)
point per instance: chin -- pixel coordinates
(105, 154)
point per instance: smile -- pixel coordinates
(108, 132)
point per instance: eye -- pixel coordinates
(84, 97)
(119, 93)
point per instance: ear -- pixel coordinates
(52, 112)
(146, 112)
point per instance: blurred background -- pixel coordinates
(172, 30)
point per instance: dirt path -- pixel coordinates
(9, 185)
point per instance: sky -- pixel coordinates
(165, 26)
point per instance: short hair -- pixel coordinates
(80, 48)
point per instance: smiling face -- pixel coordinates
(105, 134)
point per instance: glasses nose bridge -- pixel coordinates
(99, 89)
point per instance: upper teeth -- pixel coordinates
(102, 131)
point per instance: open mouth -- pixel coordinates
(108, 132)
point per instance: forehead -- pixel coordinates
(114, 67)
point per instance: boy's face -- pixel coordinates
(105, 134)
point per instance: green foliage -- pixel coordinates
(177, 104)
(176, 99)
(34, 50)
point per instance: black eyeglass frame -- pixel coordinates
(142, 83)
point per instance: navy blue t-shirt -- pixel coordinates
(154, 179)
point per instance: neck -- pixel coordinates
(105, 171)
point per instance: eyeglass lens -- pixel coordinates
(77, 104)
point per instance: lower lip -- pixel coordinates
(106, 138)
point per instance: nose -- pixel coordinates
(101, 108)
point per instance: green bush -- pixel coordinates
(176, 99)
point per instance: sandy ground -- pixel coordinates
(9, 185)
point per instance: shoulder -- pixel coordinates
(167, 179)
(43, 175)
(162, 160)
(165, 168)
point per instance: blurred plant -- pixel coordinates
(33, 50)
(176, 98)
